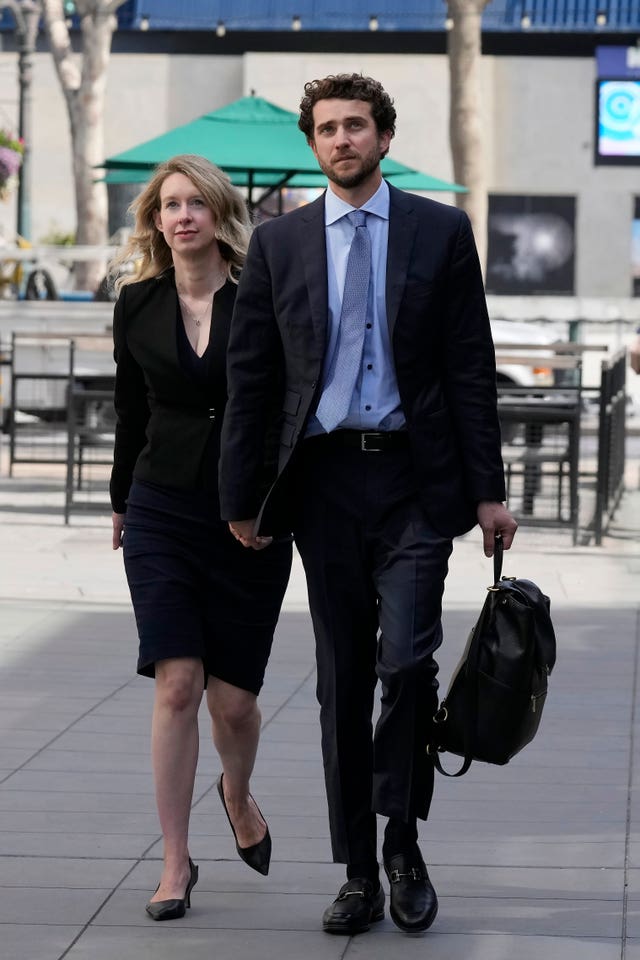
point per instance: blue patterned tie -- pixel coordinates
(336, 397)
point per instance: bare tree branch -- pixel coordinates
(464, 46)
(112, 5)
(60, 43)
(83, 80)
(19, 8)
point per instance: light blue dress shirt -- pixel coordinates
(375, 404)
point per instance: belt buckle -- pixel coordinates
(367, 441)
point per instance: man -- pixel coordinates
(368, 305)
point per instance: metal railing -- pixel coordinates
(41, 368)
(611, 442)
(552, 482)
(541, 454)
(90, 439)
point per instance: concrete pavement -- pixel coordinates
(541, 857)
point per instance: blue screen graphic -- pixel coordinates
(619, 118)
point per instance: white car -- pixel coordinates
(513, 338)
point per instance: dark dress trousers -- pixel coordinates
(374, 529)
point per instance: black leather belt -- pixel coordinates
(368, 441)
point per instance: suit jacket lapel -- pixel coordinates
(168, 314)
(313, 248)
(402, 228)
(159, 316)
(166, 317)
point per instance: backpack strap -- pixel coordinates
(498, 553)
(437, 764)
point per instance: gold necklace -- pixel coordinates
(191, 313)
(219, 283)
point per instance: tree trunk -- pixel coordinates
(83, 86)
(464, 46)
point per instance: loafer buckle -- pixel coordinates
(414, 874)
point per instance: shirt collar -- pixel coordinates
(335, 208)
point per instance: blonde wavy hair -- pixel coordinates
(147, 245)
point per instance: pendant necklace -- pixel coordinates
(196, 319)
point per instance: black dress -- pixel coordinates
(196, 591)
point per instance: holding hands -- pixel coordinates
(117, 519)
(243, 531)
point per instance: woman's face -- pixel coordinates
(184, 219)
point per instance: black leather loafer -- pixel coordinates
(355, 908)
(414, 903)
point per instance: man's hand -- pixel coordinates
(117, 519)
(243, 531)
(494, 519)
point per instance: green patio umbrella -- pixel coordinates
(255, 142)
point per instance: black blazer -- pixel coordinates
(442, 350)
(166, 420)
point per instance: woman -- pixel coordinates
(205, 607)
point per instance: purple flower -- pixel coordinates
(10, 162)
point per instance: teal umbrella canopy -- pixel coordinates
(248, 135)
(405, 179)
(396, 173)
(255, 142)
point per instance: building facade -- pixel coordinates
(559, 223)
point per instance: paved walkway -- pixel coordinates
(538, 858)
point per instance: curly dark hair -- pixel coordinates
(348, 86)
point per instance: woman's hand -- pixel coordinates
(117, 519)
(243, 531)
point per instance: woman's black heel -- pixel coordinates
(258, 856)
(174, 909)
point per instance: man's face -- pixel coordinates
(346, 141)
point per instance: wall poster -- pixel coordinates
(531, 248)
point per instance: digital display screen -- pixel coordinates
(618, 122)
(635, 249)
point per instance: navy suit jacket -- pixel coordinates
(442, 350)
